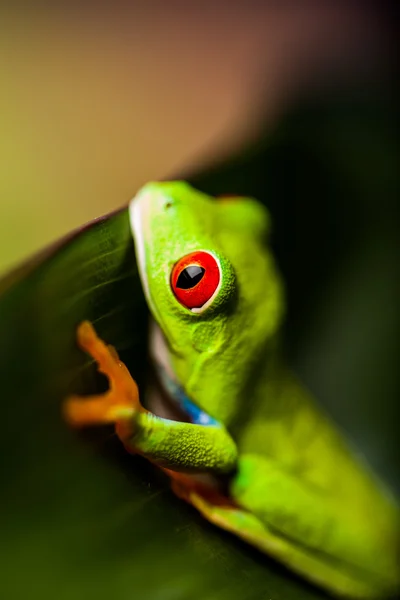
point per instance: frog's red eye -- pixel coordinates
(195, 278)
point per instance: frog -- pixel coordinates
(243, 441)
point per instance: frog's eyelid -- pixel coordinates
(206, 305)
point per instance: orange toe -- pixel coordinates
(81, 411)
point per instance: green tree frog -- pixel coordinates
(252, 451)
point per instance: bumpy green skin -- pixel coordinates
(183, 446)
(305, 498)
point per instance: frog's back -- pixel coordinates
(286, 433)
(286, 424)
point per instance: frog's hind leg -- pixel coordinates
(224, 513)
(188, 486)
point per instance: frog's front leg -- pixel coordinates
(171, 444)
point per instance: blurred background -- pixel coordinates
(99, 98)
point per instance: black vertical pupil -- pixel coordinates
(190, 276)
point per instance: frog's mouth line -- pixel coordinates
(170, 387)
(179, 397)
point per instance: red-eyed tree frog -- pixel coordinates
(252, 451)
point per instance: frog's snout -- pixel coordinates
(161, 202)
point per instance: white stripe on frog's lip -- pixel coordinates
(159, 349)
(136, 223)
(137, 213)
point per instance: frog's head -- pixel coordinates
(211, 285)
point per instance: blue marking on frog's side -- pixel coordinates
(195, 414)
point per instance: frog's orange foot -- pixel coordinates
(80, 411)
(120, 403)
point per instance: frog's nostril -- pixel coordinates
(168, 205)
